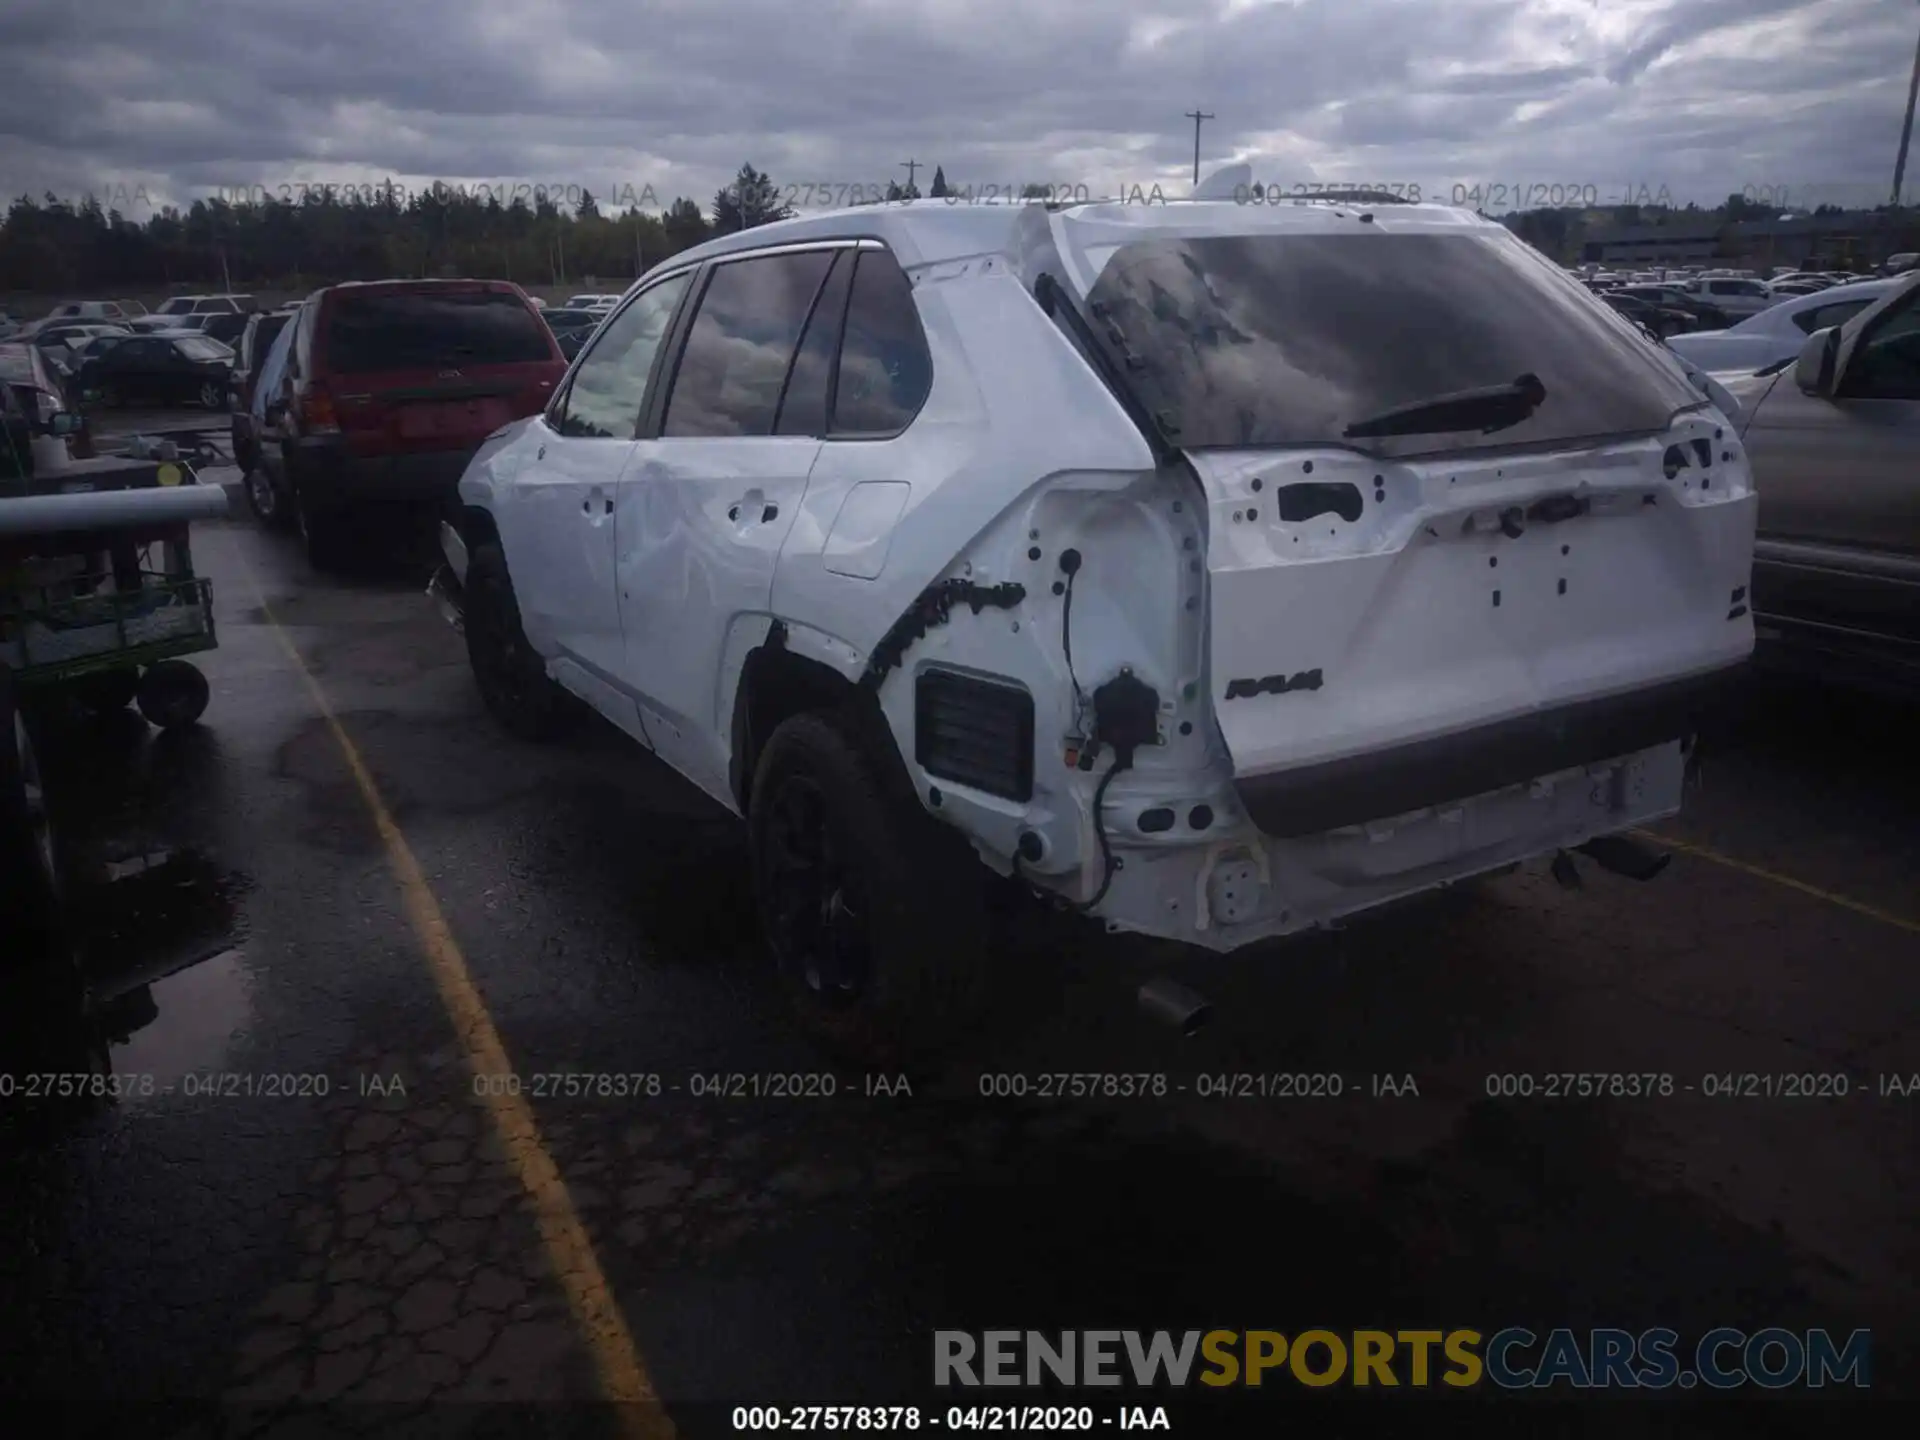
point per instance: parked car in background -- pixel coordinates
(160, 370)
(1190, 616)
(1901, 263)
(1834, 438)
(393, 386)
(98, 345)
(571, 317)
(266, 471)
(1738, 296)
(222, 325)
(1670, 296)
(572, 327)
(60, 337)
(1778, 332)
(249, 355)
(108, 310)
(208, 305)
(1662, 321)
(38, 391)
(591, 302)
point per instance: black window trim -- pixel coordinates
(839, 344)
(563, 392)
(839, 322)
(676, 341)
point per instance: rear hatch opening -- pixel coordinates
(1465, 526)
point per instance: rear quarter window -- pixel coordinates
(429, 330)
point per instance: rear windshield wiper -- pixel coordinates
(1486, 409)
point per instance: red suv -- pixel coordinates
(391, 387)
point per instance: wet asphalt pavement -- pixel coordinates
(364, 1235)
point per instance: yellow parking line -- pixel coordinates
(1685, 847)
(623, 1374)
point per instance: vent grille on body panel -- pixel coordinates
(974, 732)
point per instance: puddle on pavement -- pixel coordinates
(155, 987)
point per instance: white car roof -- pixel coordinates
(933, 231)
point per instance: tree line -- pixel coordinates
(54, 246)
(51, 246)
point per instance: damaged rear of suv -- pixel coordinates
(1217, 570)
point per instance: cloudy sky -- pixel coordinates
(145, 102)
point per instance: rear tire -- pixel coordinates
(876, 917)
(512, 677)
(29, 864)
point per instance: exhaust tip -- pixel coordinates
(1174, 1005)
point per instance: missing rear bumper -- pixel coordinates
(1315, 798)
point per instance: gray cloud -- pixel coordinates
(166, 100)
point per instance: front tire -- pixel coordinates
(213, 395)
(268, 501)
(512, 677)
(876, 919)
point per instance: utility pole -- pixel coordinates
(1197, 116)
(910, 166)
(1906, 130)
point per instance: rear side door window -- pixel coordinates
(741, 345)
(885, 370)
(609, 385)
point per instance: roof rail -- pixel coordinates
(1359, 195)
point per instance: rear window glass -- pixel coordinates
(1267, 340)
(426, 330)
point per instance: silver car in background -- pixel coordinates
(1778, 332)
(1834, 440)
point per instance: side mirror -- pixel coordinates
(64, 422)
(1813, 371)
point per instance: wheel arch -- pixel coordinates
(792, 670)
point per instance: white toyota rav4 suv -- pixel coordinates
(1220, 569)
